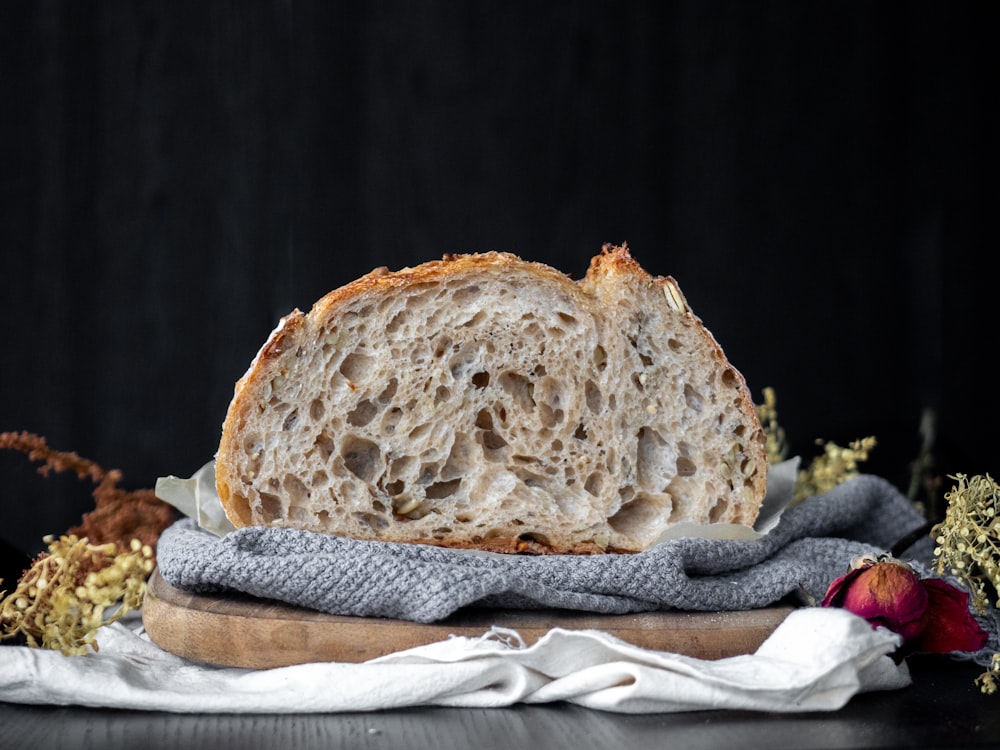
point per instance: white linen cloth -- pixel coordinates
(816, 660)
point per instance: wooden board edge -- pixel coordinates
(239, 631)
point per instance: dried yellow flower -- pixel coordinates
(968, 548)
(835, 465)
(968, 539)
(987, 681)
(767, 412)
(73, 590)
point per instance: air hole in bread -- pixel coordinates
(419, 296)
(295, 490)
(594, 483)
(520, 389)
(252, 443)
(718, 511)
(565, 317)
(270, 506)
(580, 433)
(492, 441)
(640, 513)
(324, 519)
(484, 420)
(400, 466)
(530, 478)
(481, 379)
(550, 417)
(686, 467)
(730, 379)
(372, 520)
(475, 320)
(290, 419)
(465, 294)
(674, 345)
(398, 321)
(419, 431)
(395, 487)
(649, 457)
(362, 414)
(441, 394)
(355, 366)
(440, 490)
(388, 392)
(693, 399)
(593, 397)
(460, 460)
(316, 410)
(390, 419)
(325, 445)
(361, 457)
(442, 345)
(428, 473)
(637, 379)
(600, 358)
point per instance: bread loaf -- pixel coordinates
(482, 401)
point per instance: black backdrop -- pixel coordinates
(175, 177)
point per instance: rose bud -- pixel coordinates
(931, 615)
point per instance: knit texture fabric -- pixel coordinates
(812, 544)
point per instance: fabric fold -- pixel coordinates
(816, 660)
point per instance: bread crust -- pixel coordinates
(613, 280)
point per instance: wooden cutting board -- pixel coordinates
(241, 631)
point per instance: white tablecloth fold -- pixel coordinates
(816, 660)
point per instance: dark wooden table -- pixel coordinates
(942, 709)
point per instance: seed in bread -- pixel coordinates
(482, 401)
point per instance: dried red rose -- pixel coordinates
(932, 615)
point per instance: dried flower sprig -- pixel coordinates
(968, 549)
(987, 681)
(835, 465)
(968, 539)
(97, 567)
(119, 515)
(774, 433)
(73, 590)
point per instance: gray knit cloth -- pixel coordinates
(812, 544)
